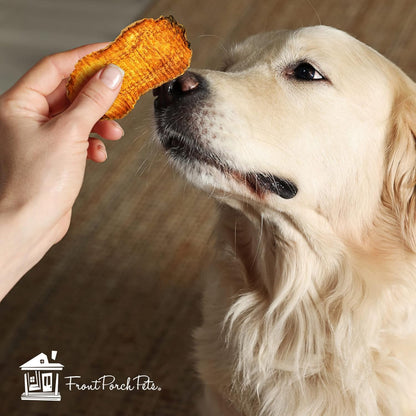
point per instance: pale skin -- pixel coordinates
(44, 145)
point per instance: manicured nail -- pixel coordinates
(115, 124)
(103, 150)
(112, 75)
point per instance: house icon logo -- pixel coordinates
(41, 378)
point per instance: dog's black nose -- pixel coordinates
(188, 84)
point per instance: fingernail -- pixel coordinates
(112, 75)
(115, 124)
(102, 149)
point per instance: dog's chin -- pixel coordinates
(211, 171)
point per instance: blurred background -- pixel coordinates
(120, 294)
(31, 29)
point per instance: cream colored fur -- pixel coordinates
(310, 304)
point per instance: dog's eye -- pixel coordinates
(306, 72)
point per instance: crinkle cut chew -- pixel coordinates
(150, 51)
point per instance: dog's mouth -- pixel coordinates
(184, 150)
(177, 123)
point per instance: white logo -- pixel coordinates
(41, 378)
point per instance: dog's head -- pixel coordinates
(305, 121)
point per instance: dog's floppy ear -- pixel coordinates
(400, 184)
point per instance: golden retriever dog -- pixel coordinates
(307, 140)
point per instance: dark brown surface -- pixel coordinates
(120, 294)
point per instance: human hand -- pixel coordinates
(44, 144)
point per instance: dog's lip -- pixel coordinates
(181, 148)
(258, 183)
(266, 182)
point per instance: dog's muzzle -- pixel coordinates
(174, 104)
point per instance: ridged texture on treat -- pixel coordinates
(150, 51)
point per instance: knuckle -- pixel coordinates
(93, 95)
(8, 105)
(65, 122)
(49, 61)
(46, 59)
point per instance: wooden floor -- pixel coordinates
(120, 294)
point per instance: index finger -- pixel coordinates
(47, 74)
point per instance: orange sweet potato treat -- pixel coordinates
(150, 51)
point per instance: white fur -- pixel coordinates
(309, 306)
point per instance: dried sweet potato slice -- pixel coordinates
(150, 51)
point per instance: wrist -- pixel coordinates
(22, 244)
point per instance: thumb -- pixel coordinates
(95, 98)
